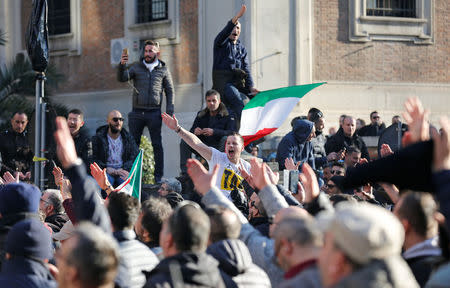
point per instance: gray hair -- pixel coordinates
(56, 200)
(301, 230)
(95, 255)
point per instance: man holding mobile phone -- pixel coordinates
(151, 79)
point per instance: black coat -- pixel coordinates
(83, 145)
(101, 148)
(223, 123)
(338, 141)
(56, 221)
(20, 272)
(371, 130)
(15, 151)
(197, 270)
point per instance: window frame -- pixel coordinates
(419, 30)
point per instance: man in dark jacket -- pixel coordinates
(375, 128)
(51, 205)
(135, 257)
(28, 249)
(183, 238)
(211, 125)
(83, 143)
(416, 211)
(231, 68)
(114, 148)
(18, 201)
(345, 138)
(15, 150)
(297, 145)
(151, 79)
(233, 255)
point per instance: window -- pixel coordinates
(151, 10)
(392, 8)
(58, 17)
(391, 20)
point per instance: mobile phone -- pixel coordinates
(125, 51)
(290, 180)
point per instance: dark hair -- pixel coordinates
(352, 149)
(95, 255)
(419, 210)
(337, 163)
(337, 198)
(234, 133)
(212, 92)
(314, 114)
(18, 112)
(189, 227)
(224, 223)
(151, 42)
(154, 212)
(123, 210)
(373, 112)
(77, 112)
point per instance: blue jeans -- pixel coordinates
(114, 180)
(234, 100)
(137, 120)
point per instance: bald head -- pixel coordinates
(115, 121)
(291, 212)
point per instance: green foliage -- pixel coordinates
(148, 163)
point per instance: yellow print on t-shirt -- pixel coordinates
(230, 179)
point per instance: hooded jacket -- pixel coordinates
(101, 150)
(235, 260)
(294, 145)
(195, 270)
(151, 85)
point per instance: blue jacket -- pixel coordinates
(21, 272)
(227, 57)
(294, 145)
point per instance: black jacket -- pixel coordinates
(338, 141)
(196, 270)
(16, 152)
(371, 130)
(56, 221)
(101, 150)
(235, 260)
(150, 85)
(83, 145)
(223, 124)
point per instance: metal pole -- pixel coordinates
(42, 152)
(40, 78)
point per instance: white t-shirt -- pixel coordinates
(228, 176)
(151, 66)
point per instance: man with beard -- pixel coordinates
(151, 79)
(230, 162)
(231, 68)
(114, 148)
(15, 151)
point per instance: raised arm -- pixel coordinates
(192, 140)
(222, 37)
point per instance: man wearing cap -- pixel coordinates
(362, 248)
(28, 248)
(18, 201)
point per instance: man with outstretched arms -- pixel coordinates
(230, 162)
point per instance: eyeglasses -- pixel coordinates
(45, 201)
(116, 119)
(331, 186)
(336, 172)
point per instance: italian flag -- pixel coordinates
(268, 110)
(132, 186)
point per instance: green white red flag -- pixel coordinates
(132, 186)
(269, 109)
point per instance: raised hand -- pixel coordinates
(100, 176)
(9, 178)
(310, 184)
(290, 165)
(441, 157)
(239, 14)
(203, 181)
(259, 173)
(417, 119)
(58, 175)
(170, 121)
(65, 150)
(385, 150)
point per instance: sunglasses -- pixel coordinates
(376, 117)
(117, 119)
(336, 172)
(331, 186)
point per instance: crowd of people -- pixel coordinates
(349, 220)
